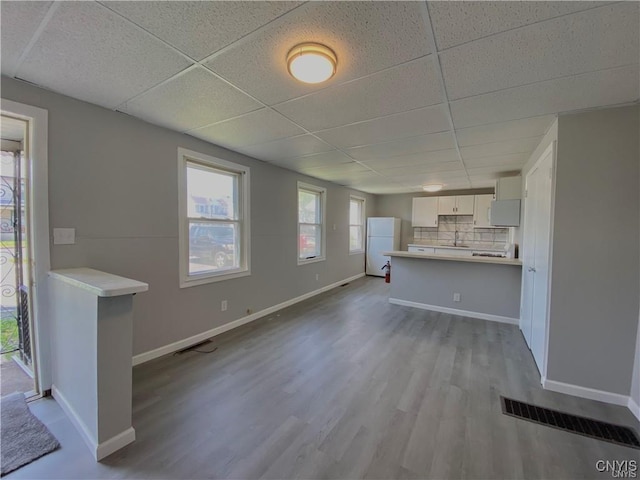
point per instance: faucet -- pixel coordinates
(455, 239)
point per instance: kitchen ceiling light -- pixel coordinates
(432, 188)
(311, 62)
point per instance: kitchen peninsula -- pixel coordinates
(473, 286)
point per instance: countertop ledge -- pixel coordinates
(435, 256)
(99, 283)
(451, 247)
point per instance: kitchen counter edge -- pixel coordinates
(435, 256)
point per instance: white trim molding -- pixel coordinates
(455, 311)
(115, 443)
(187, 342)
(585, 392)
(38, 191)
(98, 450)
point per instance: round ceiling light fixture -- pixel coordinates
(311, 62)
(435, 187)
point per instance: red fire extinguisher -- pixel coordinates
(387, 272)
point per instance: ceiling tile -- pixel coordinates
(19, 22)
(366, 37)
(201, 28)
(531, 54)
(519, 145)
(607, 87)
(259, 126)
(495, 132)
(324, 159)
(460, 22)
(406, 146)
(497, 160)
(286, 148)
(421, 169)
(190, 100)
(409, 86)
(423, 158)
(401, 125)
(342, 168)
(90, 53)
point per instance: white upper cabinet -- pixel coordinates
(447, 205)
(482, 211)
(456, 205)
(464, 204)
(425, 212)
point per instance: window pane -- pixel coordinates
(355, 212)
(355, 238)
(213, 247)
(308, 207)
(211, 193)
(309, 241)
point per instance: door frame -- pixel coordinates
(38, 203)
(550, 149)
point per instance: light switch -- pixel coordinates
(64, 236)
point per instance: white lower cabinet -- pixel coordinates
(415, 249)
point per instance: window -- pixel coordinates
(356, 225)
(214, 219)
(311, 206)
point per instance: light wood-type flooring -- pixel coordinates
(343, 385)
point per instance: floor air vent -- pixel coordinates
(571, 423)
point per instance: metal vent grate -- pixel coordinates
(571, 423)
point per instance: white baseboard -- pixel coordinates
(82, 428)
(115, 443)
(586, 392)
(187, 342)
(634, 407)
(99, 451)
(455, 311)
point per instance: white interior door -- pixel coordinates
(536, 258)
(528, 256)
(542, 261)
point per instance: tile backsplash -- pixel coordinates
(444, 233)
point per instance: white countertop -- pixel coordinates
(435, 256)
(474, 249)
(99, 283)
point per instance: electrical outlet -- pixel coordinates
(456, 297)
(317, 276)
(223, 306)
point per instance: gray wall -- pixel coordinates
(433, 282)
(595, 275)
(400, 206)
(114, 179)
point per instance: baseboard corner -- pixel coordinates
(115, 443)
(586, 392)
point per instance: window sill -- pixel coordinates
(311, 260)
(196, 280)
(356, 252)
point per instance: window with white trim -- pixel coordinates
(311, 220)
(214, 218)
(356, 224)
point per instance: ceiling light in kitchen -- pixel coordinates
(435, 187)
(311, 62)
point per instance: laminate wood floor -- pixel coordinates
(343, 385)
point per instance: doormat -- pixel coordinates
(24, 437)
(588, 427)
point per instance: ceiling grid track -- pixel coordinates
(431, 39)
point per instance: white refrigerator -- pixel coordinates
(383, 235)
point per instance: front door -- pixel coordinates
(15, 259)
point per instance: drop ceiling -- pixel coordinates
(458, 93)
